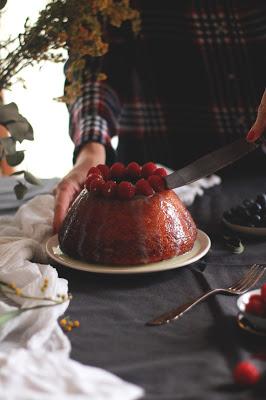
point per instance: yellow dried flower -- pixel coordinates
(101, 76)
(79, 27)
(18, 292)
(67, 324)
(12, 286)
(63, 322)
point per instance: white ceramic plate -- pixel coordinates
(245, 325)
(246, 229)
(256, 321)
(200, 248)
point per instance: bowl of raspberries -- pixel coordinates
(252, 305)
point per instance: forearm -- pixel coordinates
(91, 153)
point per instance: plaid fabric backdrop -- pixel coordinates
(189, 83)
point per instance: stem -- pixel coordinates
(24, 296)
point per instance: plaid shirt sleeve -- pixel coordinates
(94, 115)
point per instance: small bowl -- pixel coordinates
(255, 320)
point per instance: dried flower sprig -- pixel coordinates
(79, 28)
(64, 28)
(12, 289)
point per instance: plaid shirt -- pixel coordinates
(189, 83)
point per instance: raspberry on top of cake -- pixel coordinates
(124, 182)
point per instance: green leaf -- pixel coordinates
(9, 145)
(9, 315)
(20, 190)
(20, 130)
(15, 159)
(8, 113)
(2, 3)
(30, 178)
(18, 173)
(17, 125)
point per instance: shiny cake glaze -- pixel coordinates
(116, 232)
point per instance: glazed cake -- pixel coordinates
(125, 216)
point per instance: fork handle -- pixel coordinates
(181, 310)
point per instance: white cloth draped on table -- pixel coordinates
(34, 351)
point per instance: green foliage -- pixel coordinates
(64, 28)
(19, 129)
(31, 178)
(14, 159)
(2, 3)
(20, 190)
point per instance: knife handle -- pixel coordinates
(181, 310)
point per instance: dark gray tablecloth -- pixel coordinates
(192, 358)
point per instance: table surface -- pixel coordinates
(193, 357)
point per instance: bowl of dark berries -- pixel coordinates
(249, 217)
(252, 305)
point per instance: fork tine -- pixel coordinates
(247, 276)
(254, 279)
(250, 278)
(244, 277)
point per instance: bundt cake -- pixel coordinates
(125, 216)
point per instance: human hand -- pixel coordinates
(259, 126)
(70, 186)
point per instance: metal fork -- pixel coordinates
(253, 275)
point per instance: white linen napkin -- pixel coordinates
(34, 351)
(187, 193)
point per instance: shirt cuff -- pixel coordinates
(92, 128)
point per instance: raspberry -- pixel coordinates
(255, 297)
(133, 170)
(117, 170)
(109, 189)
(157, 183)
(96, 185)
(255, 306)
(91, 177)
(246, 373)
(263, 292)
(160, 171)
(105, 171)
(94, 170)
(143, 187)
(125, 190)
(148, 169)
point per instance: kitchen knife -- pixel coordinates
(210, 163)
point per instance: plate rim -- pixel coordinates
(258, 322)
(69, 262)
(258, 231)
(245, 326)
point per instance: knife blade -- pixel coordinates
(210, 163)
